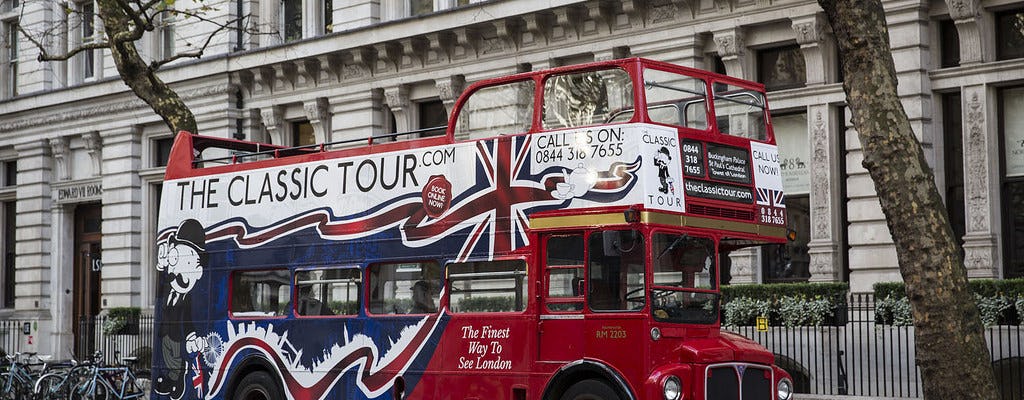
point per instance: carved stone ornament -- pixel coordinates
(962, 9)
(820, 184)
(397, 97)
(976, 181)
(662, 13)
(450, 89)
(809, 32)
(59, 149)
(94, 146)
(730, 43)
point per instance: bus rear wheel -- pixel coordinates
(590, 389)
(257, 386)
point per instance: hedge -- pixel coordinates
(1000, 302)
(790, 304)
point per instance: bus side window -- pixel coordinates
(564, 273)
(333, 291)
(496, 110)
(404, 288)
(260, 294)
(676, 99)
(587, 98)
(487, 286)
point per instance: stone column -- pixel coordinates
(818, 48)
(122, 218)
(270, 24)
(397, 99)
(319, 117)
(351, 14)
(62, 280)
(274, 124)
(356, 116)
(312, 18)
(449, 89)
(732, 48)
(826, 226)
(971, 25)
(33, 261)
(981, 183)
(746, 266)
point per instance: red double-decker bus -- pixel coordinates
(564, 239)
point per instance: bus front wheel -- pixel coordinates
(590, 389)
(257, 385)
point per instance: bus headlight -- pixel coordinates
(673, 390)
(785, 389)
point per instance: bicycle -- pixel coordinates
(105, 382)
(54, 378)
(18, 378)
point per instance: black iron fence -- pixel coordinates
(865, 357)
(116, 337)
(12, 335)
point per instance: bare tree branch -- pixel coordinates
(197, 53)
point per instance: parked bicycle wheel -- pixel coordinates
(51, 386)
(88, 386)
(12, 388)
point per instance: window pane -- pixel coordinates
(162, 151)
(565, 250)
(683, 261)
(328, 291)
(565, 283)
(260, 293)
(303, 133)
(421, 7)
(10, 173)
(949, 44)
(781, 68)
(1013, 206)
(586, 98)
(794, 152)
(496, 110)
(616, 273)
(404, 288)
(292, 19)
(488, 286)
(791, 262)
(432, 114)
(676, 99)
(1013, 130)
(328, 16)
(740, 112)
(1010, 34)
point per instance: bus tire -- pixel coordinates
(590, 389)
(257, 385)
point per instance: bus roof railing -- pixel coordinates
(277, 152)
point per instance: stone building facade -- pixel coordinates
(81, 157)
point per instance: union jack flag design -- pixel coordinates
(770, 198)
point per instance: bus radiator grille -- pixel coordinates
(722, 212)
(738, 381)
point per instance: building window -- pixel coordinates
(404, 288)
(167, 49)
(302, 133)
(88, 31)
(292, 19)
(790, 262)
(8, 251)
(162, 151)
(781, 68)
(1010, 34)
(328, 16)
(949, 44)
(1011, 123)
(432, 114)
(10, 173)
(952, 134)
(260, 294)
(420, 7)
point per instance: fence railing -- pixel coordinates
(11, 332)
(867, 358)
(116, 337)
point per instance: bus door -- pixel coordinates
(560, 329)
(614, 330)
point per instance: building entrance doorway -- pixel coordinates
(87, 266)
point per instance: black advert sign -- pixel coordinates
(729, 164)
(693, 158)
(719, 191)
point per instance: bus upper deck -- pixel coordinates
(681, 146)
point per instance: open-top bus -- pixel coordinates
(564, 239)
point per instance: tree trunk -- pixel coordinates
(951, 350)
(134, 71)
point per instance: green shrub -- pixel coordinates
(802, 311)
(893, 310)
(744, 311)
(835, 292)
(121, 321)
(993, 309)
(486, 304)
(999, 301)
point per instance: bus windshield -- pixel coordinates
(684, 279)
